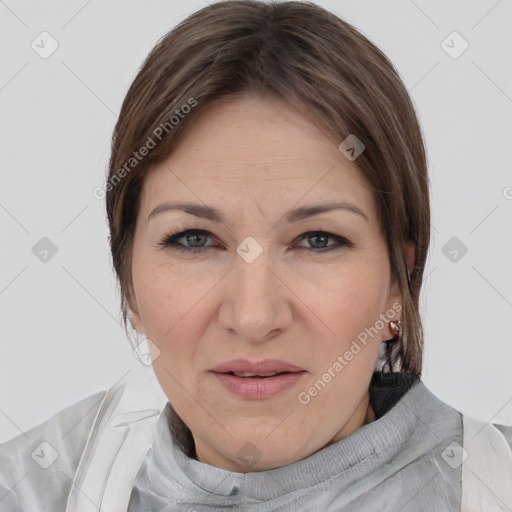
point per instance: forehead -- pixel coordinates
(258, 148)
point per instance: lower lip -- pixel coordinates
(254, 387)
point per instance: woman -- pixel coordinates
(269, 219)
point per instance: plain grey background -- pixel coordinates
(61, 337)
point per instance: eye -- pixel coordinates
(194, 241)
(194, 237)
(319, 239)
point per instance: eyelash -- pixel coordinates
(169, 241)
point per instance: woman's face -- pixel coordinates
(271, 287)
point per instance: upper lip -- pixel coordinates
(265, 366)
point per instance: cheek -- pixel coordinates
(166, 300)
(172, 302)
(351, 300)
(165, 293)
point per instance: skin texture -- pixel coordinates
(254, 159)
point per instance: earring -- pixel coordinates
(396, 327)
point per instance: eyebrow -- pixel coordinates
(295, 215)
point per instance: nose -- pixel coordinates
(257, 304)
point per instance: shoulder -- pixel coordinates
(37, 466)
(463, 435)
(487, 464)
(498, 437)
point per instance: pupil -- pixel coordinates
(191, 237)
(318, 236)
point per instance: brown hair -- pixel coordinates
(303, 54)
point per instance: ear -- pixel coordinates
(135, 319)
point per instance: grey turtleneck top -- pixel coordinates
(394, 463)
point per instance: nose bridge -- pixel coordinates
(255, 282)
(255, 295)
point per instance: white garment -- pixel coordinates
(487, 470)
(119, 440)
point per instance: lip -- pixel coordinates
(258, 387)
(265, 366)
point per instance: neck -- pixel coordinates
(363, 415)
